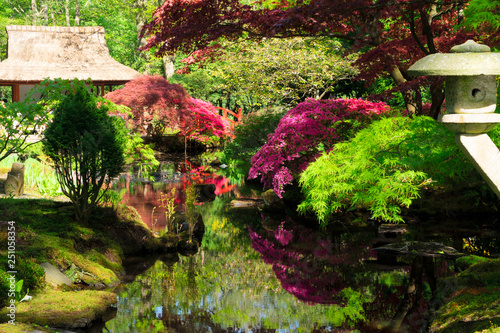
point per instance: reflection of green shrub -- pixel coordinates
(251, 134)
(384, 167)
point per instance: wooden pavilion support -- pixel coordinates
(15, 93)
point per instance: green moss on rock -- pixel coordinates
(471, 298)
(63, 309)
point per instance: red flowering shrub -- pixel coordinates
(157, 104)
(153, 102)
(306, 130)
(206, 121)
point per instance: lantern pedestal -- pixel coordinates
(468, 123)
(484, 154)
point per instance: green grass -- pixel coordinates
(46, 231)
(23, 328)
(472, 299)
(39, 177)
(470, 310)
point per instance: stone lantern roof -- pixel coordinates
(468, 59)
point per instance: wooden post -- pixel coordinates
(15, 93)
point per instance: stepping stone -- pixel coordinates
(54, 276)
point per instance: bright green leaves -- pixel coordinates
(480, 13)
(384, 168)
(285, 71)
(18, 121)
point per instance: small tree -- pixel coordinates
(86, 147)
(18, 121)
(157, 105)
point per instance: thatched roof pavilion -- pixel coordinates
(35, 53)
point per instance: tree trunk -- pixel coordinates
(45, 11)
(34, 12)
(66, 7)
(437, 96)
(140, 19)
(77, 14)
(168, 65)
(412, 102)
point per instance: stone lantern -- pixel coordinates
(470, 95)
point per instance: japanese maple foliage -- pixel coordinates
(152, 99)
(392, 34)
(206, 121)
(157, 104)
(306, 130)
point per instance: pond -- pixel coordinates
(259, 272)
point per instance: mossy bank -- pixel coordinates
(45, 231)
(469, 301)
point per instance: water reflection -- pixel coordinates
(247, 279)
(255, 273)
(148, 196)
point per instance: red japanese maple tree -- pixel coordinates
(157, 104)
(393, 34)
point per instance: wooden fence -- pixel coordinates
(235, 117)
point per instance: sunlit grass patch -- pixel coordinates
(22, 328)
(57, 309)
(473, 300)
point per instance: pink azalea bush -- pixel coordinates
(305, 131)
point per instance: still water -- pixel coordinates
(255, 272)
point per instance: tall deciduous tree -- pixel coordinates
(394, 33)
(285, 72)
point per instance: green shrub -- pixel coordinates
(384, 168)
(86, 146)
(250, 135)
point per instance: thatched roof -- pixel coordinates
(35, 53)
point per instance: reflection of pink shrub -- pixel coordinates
(297, 140)
(307, 263)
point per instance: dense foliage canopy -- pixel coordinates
(392, 34)
(281, 72)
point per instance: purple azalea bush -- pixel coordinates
(304, 132)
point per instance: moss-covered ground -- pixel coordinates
(91, 255)
(471, 298)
